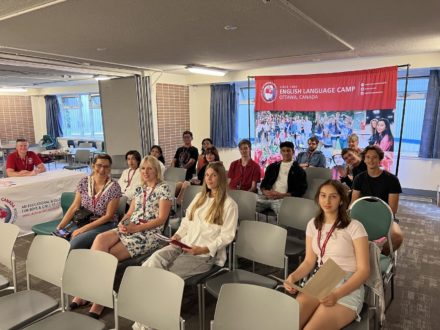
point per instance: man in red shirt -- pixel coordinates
(23, 162)
(244, 173)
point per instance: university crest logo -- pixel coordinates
(269, 92)
(8, 212)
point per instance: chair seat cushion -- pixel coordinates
(24, 307)
(196, 279)
(4, 282)
(294, 246)
(68, 321)
(238, 276)
(46, 228)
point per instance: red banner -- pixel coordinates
(344, 91)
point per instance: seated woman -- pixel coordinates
(98, 193)
(130, 178)
(211, 155)
(135, 234)
(156, 151)
(201, 160)
(332, 234)
(208, 228)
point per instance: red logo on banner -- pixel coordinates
(354, 90)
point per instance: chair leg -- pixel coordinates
(201, 294)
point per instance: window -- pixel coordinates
(245, 112)
(81, 116)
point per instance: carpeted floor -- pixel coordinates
(417, 292)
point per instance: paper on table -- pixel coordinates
(324, 281)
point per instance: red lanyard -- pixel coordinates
(130, 177)
(95, 199)
(145, 199)
(324, 245)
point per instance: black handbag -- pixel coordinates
(82, 217)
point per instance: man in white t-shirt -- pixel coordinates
(284, 178)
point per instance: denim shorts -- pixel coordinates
(354, 300)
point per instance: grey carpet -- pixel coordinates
(417, 281)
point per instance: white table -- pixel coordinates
(26, 201)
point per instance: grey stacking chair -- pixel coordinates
(296, 212)
(82, 160)
(188, 196)
(88, 274)
(85, 145)
(175, 174)
(247, 203)
(156, 303)
(318, 173)
(313, 185)
(256, 241)
(46, 260)
(8, 236)
(251, 307)
(119, 164)
(121, 207)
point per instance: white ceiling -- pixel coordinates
(45, 43)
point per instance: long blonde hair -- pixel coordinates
(215, 212)
(154, 164)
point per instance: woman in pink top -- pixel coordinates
(385, 138)
(332, 234)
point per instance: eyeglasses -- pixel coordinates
(99, 166)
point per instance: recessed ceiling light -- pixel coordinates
(98, 77)
(101, 49)
(205, 70)
(230, 27)
(13, 89)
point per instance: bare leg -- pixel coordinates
(396, 238)
(120, 251)
(105, 241)
(183, 187)
(329, 318)
(307, 306)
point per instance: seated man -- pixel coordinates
(284, 178)
(379, 183)
(355, 166)
(312, 157)
(244, 173)
(23, 162)
(186, 156)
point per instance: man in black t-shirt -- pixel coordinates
(186, 156)
(379, 183)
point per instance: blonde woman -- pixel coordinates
(209, 226)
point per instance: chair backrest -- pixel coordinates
(312, 187)
(8, 236)
(247, 306)
(151, 296)
(296, 212)
(47, 257)
(175, 174)
(247, 202)
(82, 156)
(121, 207)
(172, 186)
(374, 214)
(119, 162)
(67, 199)
(262, 242)
(84, 145)
(318, 173)
(90, 274)
(188, 196)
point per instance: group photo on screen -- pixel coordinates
(332, 128)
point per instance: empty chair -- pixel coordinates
(318, 173)
(8, 236)
(377, 218)
(84, 145)
(312, 187)
(88, 274)
(156, 302)
(251, 307)
(256, 241)
(119, 164)
(175, 174)
(295, 213)
(46, 228)
(93, 143)
(247, 202)
(46, 260)
(81, 160)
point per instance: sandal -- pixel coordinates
(75, 305)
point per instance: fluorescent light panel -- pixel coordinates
(13, 90)
(207, 71)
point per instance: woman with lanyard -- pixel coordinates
(135, 233)
(130, 177)
(332, 234)
(99, 194)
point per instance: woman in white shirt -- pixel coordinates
(209, 226)
(332, 234)
(130, 178)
